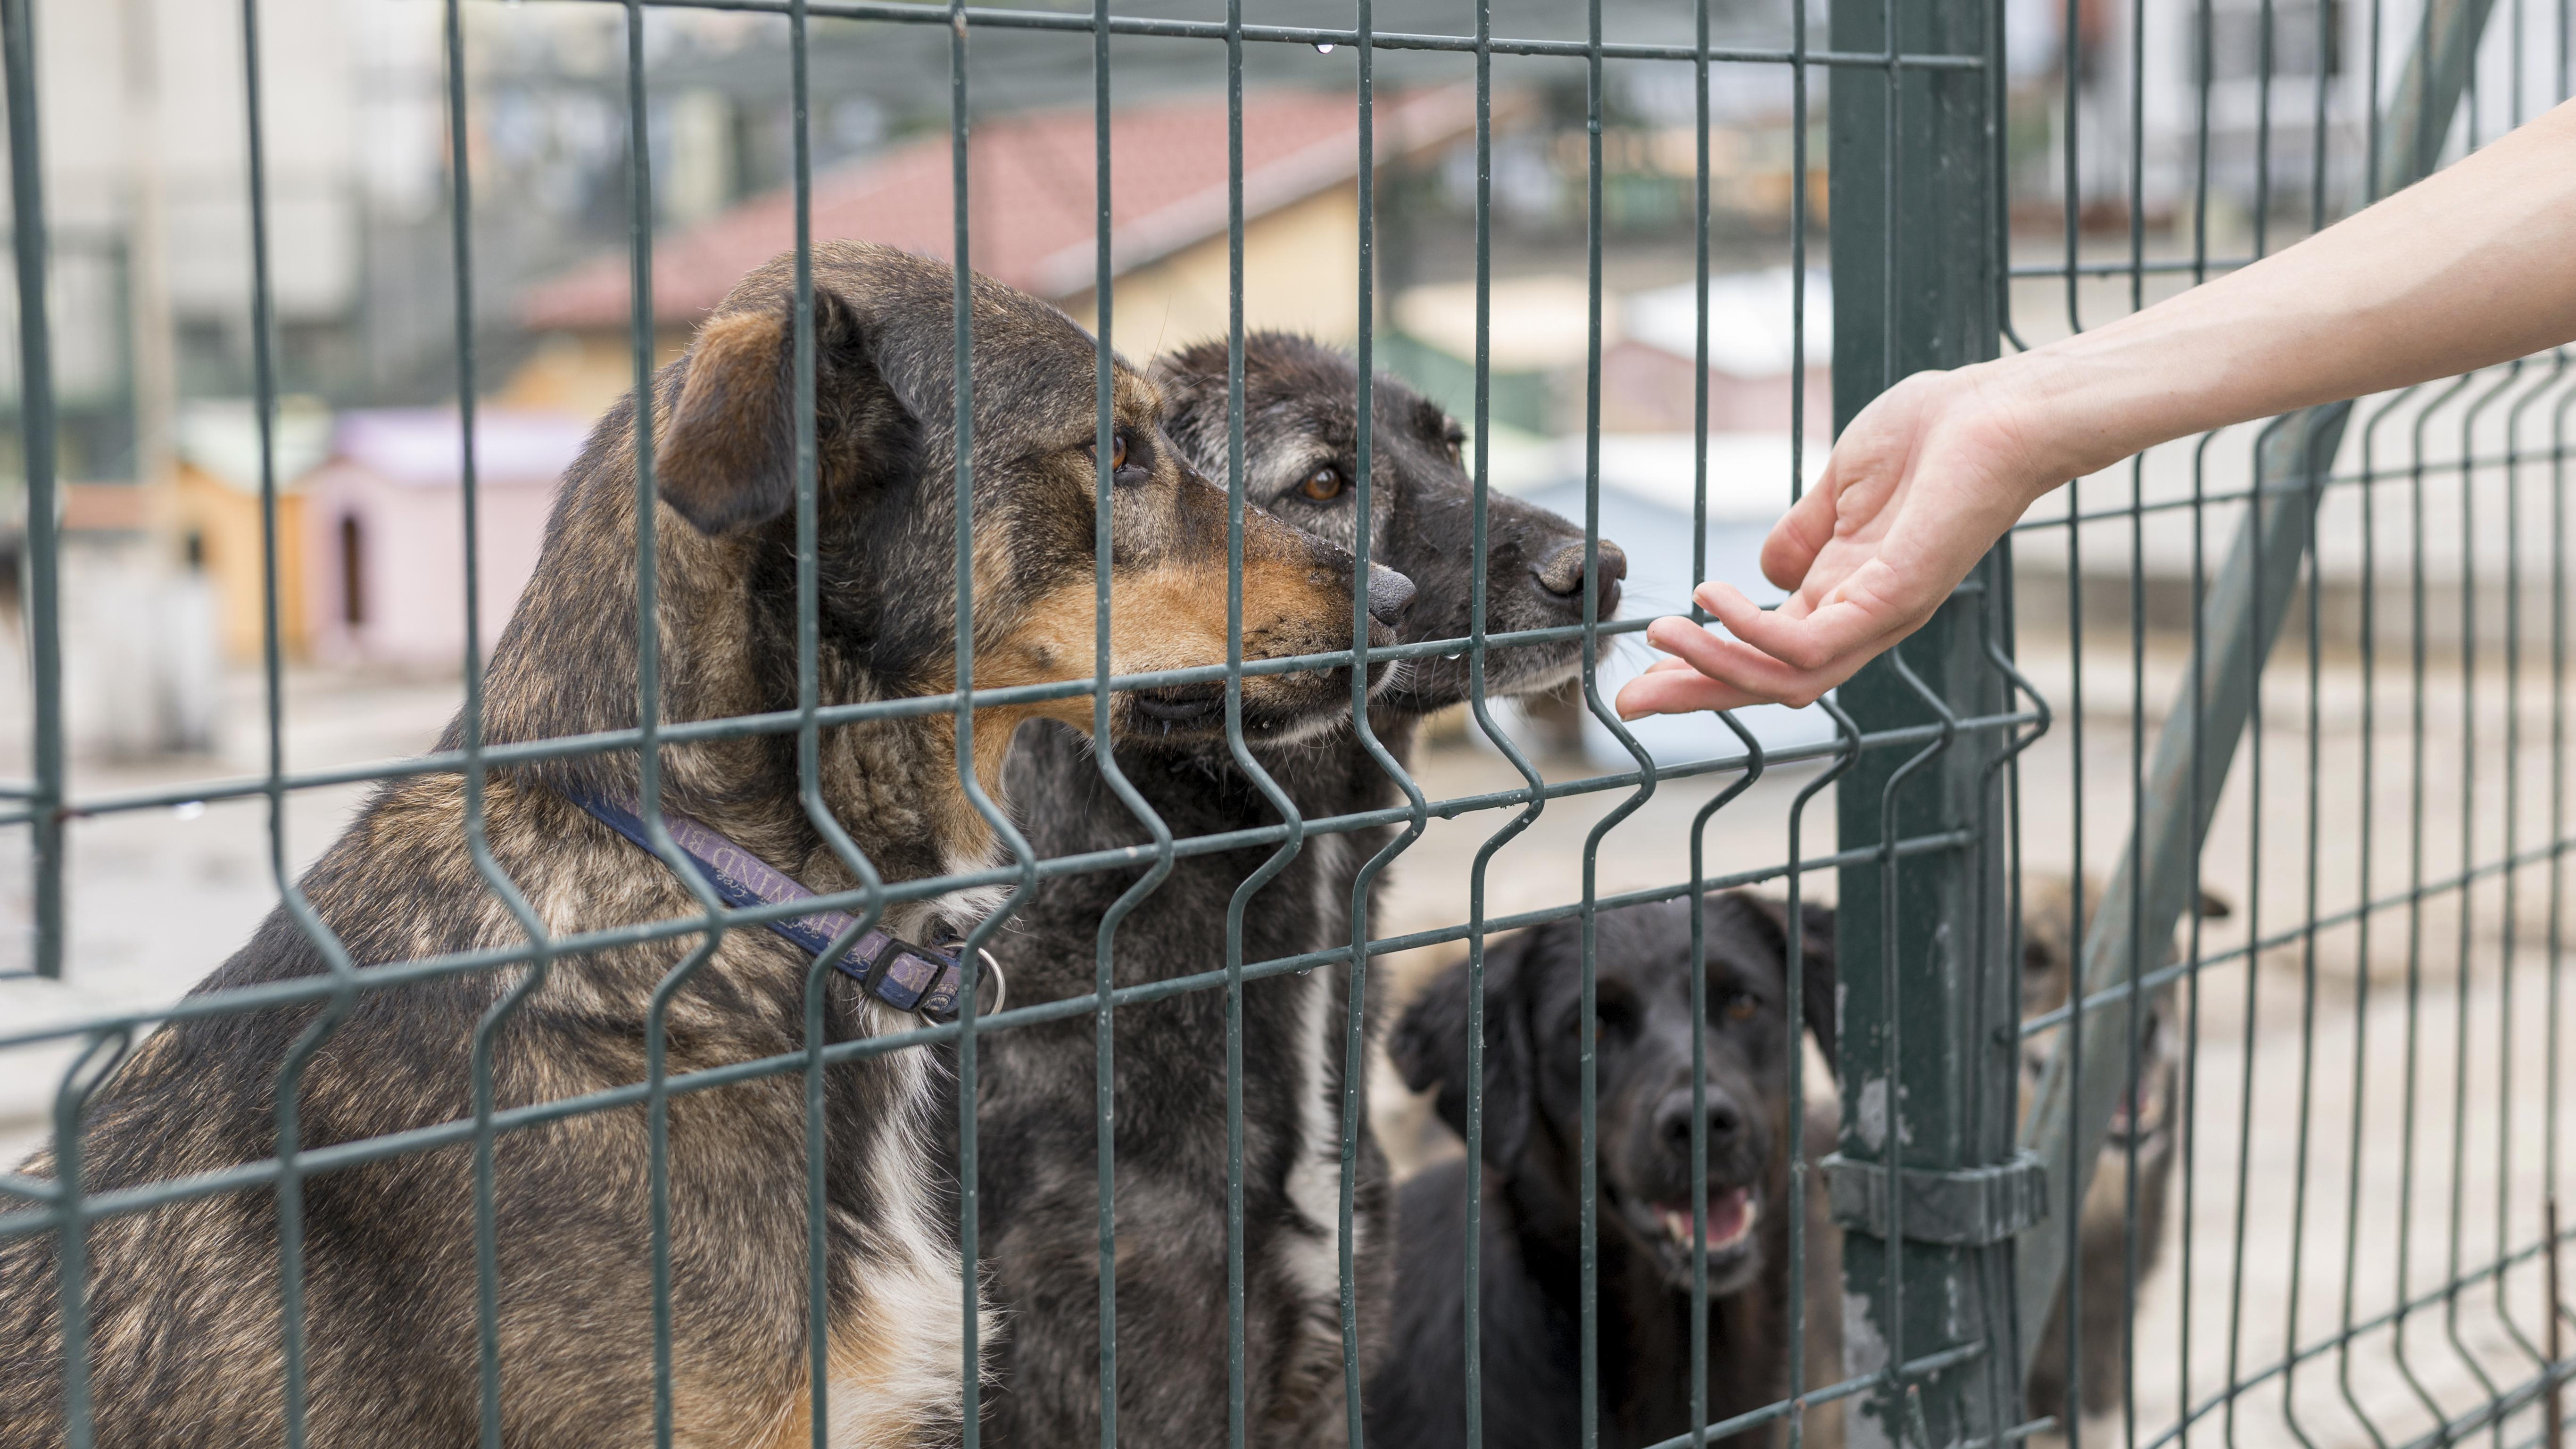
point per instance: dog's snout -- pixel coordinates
(1673, 1120)
(1388, 593)
(1561, 572)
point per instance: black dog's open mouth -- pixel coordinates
(1731, 1212)
(1733, 1256)
(1181, 703)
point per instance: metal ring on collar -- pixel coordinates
(1001, 983)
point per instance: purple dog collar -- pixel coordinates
(896, 972)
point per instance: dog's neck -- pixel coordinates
(569, 664)
(895, 786)
(1323, 775)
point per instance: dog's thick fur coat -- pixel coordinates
(1040, 1184)
(1531, 1300)
(186, 1338)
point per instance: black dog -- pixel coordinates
(1040, 1184)
(1531, 1298)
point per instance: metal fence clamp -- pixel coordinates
(1960, 1207)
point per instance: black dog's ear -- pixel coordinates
(1818, 981)
(727, 458)
(1816, 977)
(1429, 1045)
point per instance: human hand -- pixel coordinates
(1919, 486)
(2464, 269)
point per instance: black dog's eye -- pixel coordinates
(1456, 438)
(1323, 485)
(1616, 1012)
(1740, 1005)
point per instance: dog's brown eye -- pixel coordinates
(1129, 464)
(1740, 1007)
(1323, 485)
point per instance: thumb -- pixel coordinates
(1806, 528)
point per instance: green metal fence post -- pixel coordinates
(1926, 1183)
(36, 410)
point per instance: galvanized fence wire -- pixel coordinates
(1928, 763)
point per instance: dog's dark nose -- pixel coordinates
(1561, 573)
(1388, 593)
(1673, 1120)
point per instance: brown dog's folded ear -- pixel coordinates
(727, 458)
(1816, 978)
(1429, 1045)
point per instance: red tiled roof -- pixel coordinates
(1031, 197)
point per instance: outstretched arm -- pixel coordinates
(2474, 265)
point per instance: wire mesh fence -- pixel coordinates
(2355, 1122)
(763, 1019)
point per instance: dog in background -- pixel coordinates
(2148, 1117)
(2146, 1120)
(1531, 1298)
(186, 1330)
(1040, 1183)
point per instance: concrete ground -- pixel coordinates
(2384, 1111)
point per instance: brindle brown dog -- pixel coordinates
(1040, 1182)
(2145, 1124)
(185, 1337)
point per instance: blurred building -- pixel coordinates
(1539, 337)
(219, 515)
(384, 529)
(1032, 216)
(2224, 99)
(145, 143)
(1537, 331)
(1759, 356)
(143, 126)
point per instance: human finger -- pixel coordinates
(1801, 533)
(1852, 625)
(1710, 594)
(1677, 691)
(1733, 662)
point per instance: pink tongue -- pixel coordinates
(1725, 1215)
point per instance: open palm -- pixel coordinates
(1918, 488)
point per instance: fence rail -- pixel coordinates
(2013, 1177)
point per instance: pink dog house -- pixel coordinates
(386, 552)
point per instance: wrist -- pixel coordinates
(2083, 404)
(2040, 409)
